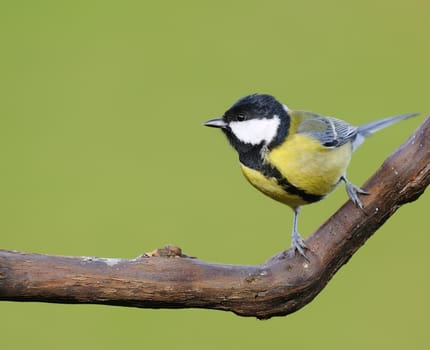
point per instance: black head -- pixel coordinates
(254, 121)
(255, 106)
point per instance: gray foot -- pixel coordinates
(353, 192)
(298, 244)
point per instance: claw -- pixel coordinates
(298, 244)
(353, 192)
(296, 240)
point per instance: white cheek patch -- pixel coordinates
(255, 131)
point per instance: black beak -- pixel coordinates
(216, 123)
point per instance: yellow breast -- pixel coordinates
(304, 163)
(271, 188)
(309, 165)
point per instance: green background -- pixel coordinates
(103, 153)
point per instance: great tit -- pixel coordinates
(294, 157)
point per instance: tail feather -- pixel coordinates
(368, 129)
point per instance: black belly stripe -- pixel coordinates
(252, 159)
(270, 171)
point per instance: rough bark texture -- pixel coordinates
(166, 278)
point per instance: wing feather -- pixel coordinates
(329, 131)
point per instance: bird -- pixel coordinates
(296, 157)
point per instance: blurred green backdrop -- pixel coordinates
(104, 153)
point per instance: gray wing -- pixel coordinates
(331, 132)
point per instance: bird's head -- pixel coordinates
(254, 121)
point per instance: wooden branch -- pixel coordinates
(166, 278)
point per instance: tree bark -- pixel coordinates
(166, 278)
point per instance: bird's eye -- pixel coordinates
(241, 117)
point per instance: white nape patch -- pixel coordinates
(286, 108)
(255, 131)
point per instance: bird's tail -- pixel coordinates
(368, 129)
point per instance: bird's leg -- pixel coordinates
(353, 192)
(297, 240)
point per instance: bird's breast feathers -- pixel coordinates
(270, 187)
(305, 164)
